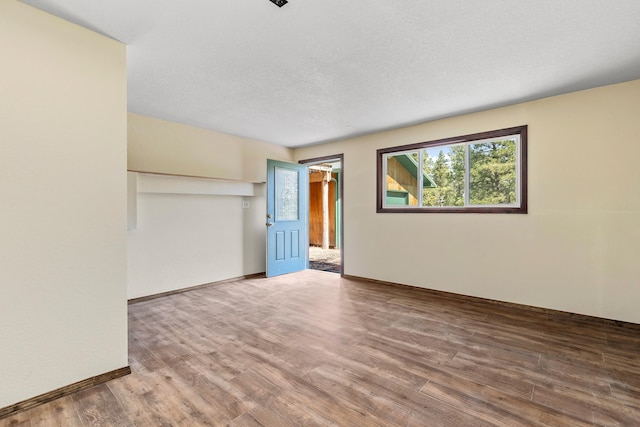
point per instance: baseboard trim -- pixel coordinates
(191, 288)
(63, 391)
(549, 311)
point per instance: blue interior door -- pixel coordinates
(287, 217)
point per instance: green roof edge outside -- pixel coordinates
(411, 166)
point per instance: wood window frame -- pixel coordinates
(521, 188)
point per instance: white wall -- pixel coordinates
(577, 250)
(63, 312)
(192, 231)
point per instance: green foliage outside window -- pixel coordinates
(492, 174)
(478, 173)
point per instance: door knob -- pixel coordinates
(269, 224)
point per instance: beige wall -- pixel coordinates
(63, 309)
(160, 146)
(189, 231)
(577, 250)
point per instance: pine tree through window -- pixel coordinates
(479, 173)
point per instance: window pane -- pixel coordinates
(443, 181)
(484, 172)
(286, 186)
(401, 182)
(492, 173)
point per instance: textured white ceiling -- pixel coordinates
(320, 70)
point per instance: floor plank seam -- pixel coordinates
(313, 348)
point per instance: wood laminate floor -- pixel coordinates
(313, 348)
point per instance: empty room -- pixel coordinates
(168, 170)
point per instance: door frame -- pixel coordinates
(316, 160)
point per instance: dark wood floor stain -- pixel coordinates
(315, 349)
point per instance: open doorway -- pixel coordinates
(325, 213)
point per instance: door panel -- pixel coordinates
(287, 218)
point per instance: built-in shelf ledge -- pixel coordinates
(194, 176)
(161, 183)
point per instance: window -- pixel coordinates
(480, 173)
